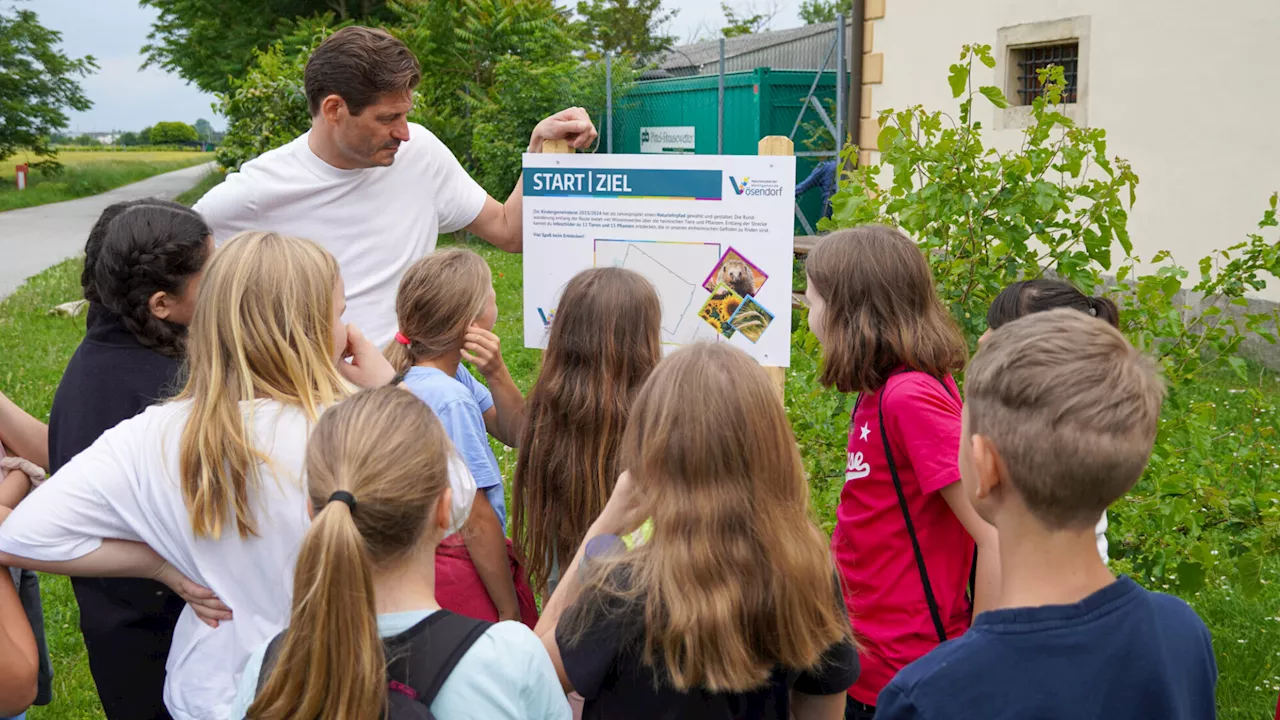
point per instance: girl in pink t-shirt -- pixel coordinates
(905, 532)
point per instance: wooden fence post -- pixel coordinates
(560, 147)
(777, 145)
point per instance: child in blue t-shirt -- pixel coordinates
(1060, 416)
(446, 311)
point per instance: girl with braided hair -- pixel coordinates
(143, 263)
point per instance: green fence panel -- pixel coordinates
(757, 103)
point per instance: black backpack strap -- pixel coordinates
(269, 660)
(934, 613)
(423, 656)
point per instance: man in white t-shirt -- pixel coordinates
(371, 187)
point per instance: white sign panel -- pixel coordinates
(679, 139)
(713, 234)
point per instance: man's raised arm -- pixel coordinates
(502, 224)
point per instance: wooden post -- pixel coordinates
(777, 145)
(556, 146)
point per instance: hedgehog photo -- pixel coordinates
(738, 275)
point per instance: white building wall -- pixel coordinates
(1188, 91)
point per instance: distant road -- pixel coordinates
(32, 239)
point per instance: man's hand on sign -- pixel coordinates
(573, 124)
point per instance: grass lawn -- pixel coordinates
(88, 173)
(37, 346)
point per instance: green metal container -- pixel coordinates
(757, 103)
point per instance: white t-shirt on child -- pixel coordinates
(125, 486)
(376, 221)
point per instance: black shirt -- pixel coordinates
(606, 666)
(111, 378)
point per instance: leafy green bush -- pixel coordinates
(524, 93)
(169, 133)
(265, 109)
(1208, 506)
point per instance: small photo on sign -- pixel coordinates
(738, 273)
(718, 308)
(751, 319)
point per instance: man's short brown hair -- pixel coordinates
(881, 311)
(1071, 408)
(359, 64)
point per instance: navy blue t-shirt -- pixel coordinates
(1122, 652)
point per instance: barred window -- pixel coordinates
(1027, 60)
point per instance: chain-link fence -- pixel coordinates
(723, 111)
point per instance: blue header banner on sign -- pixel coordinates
(600, 183)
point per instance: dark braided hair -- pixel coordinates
(148, 249)
(1032, 296)
(99, 231)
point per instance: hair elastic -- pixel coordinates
(343, 496)
(400, 338)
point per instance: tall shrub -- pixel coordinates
(1208, 505)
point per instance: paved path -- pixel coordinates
(32, 239)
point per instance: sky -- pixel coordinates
(125, 97)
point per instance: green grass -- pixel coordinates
(88, 173)
(213, 177)
(37, 346)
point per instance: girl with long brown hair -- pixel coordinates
(905, 532)
(731, 608)
(605, 341)
(366, 632)
(209, 486)
(446, 308)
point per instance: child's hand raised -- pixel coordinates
(625, 511)
(484, 350)
(368, 368)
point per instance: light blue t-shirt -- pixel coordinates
(505, 674)
(461, 402)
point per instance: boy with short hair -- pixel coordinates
(1060, 416)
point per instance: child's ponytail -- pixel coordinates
(378, 480)
(440, 296)
(397, 353)
(331, 663)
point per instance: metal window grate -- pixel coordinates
(1031, 59)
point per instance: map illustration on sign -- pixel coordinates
(674, 268)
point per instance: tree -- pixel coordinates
(209, 42)
(85, 140)
(204, 130)
(38, 83)
(749, 22)
(171, 133)
(625, 27)
(129, 139)
(814, 12)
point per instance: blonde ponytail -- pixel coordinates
(399, 356)
(331, 664)
(388, 453)
(438, 299)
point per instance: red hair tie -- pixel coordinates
(400, 338)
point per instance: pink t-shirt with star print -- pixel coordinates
(882, 586)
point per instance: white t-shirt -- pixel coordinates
(125, 486)
(376, 221)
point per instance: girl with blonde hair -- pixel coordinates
(605, 341)
(446, 309)
(209, 486)
(731, 609)
(366, 633)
